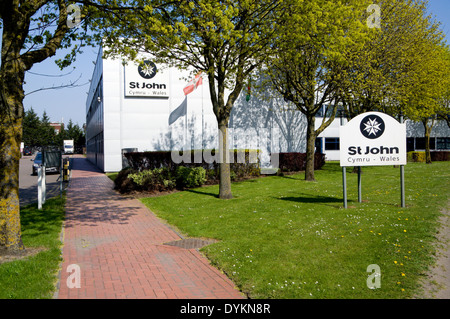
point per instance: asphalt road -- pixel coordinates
(28, 183)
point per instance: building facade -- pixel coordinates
(143, 107)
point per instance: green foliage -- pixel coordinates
(416, 157)
(159, 179)
(188, 177)
(141, 178)
(399, 67)
(38, 132)
(227, 40)
(31, 128)
(313, 44)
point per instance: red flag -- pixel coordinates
(193, 84)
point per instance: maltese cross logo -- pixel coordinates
(148, 70)
(372, 126)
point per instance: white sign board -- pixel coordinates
(373, 139)
(146, 80)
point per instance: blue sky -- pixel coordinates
(70, 103)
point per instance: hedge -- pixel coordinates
(157, 171)
(294, 162)
(245, 162)
(436, 156)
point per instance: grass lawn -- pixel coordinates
(35, 276)
(282, 237)
(112, 176)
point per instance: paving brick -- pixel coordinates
(117, 242)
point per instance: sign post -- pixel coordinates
(402, 176)
(344, 173)
(359, 185)
(39, 187)
(372, 139)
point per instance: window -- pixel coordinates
(318, 145)
(420, 143)
(331, 143)
(443, 143)
(320, 112)
(410, 144)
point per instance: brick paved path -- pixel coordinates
(118, 245)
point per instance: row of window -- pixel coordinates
(96, 100)
(436, 143)
(412, 143)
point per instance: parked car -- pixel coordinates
(38, 162)
(27, 151)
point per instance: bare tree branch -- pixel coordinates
(71, 85)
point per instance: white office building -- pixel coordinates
(129, 108)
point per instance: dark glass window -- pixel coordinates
(443, 143)
(420, 143)
(331, 143)
(410, 144)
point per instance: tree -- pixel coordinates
(400, 69)
(47, 133)
(382, 75)
(426, 103)
(75, 133)
(32, 31)
(372, 71)
(311, 46)
(223, 38)
(39, 133)
(31, 126)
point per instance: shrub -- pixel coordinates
(187, 177)
(416, 157)
(294, 162)
(140, 161)
(440, 156)
(162, 179)
(141, 178)
(158, 179)
(123, 183)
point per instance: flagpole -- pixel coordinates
(185, 126)
(170, 111)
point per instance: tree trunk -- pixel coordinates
(427, 143)
(224, 165)
(16, 27)
(11, 114)
(310, 149)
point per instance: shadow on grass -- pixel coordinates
(293, 177)
(202, 193)
(311, 199)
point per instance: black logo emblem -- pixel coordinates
(372, 126)
(147, 70)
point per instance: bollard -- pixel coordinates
(66, 170)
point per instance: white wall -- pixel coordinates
(268, 123)
(142, 122)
